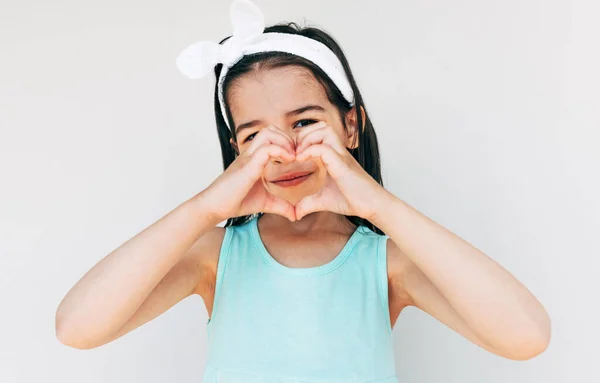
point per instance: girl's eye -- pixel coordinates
(311, 121)
(250, 136)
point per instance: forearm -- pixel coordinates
(110, 293)
(493, 303)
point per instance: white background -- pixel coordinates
(487, 114)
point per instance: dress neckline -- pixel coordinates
(315, 270)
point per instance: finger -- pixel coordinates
(308, 129)
(264, 153)
(324, 135)
(284, 134)
(270, 136)
(327, 154)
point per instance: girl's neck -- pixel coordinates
(319, 221)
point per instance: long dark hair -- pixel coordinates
(367, 152)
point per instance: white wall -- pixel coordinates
(488, 119)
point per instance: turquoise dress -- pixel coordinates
(276, 324)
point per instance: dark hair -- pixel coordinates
(367, 152)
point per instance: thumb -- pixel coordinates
(278, 205)
(307, 205)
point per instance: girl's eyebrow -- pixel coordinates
(303, 109)
(250, 124)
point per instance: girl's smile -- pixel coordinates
(292, 179)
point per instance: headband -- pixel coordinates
(247, 21)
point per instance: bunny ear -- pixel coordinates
(198, 59)
(247, 21)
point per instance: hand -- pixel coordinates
(349, 189)
(239, 189)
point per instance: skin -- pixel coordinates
(429, 267)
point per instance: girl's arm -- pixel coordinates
(167, 261)
(139, 280)
(459, 285)
(451, 280)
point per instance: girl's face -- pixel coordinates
(271, 97)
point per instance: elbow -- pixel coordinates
(529, 349)
(74, 341)
(67, 334)
(530, 343)
(67, 338)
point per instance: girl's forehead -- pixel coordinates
(274, 91)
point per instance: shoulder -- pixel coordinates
(397, 262)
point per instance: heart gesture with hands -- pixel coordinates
(340, 184)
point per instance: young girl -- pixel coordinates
(317, 259)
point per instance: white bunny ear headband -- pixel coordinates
(248, 24)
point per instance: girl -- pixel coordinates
(305, 281)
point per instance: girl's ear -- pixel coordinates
(351, 123)
(235, 147)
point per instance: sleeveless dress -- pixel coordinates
(277, 324)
